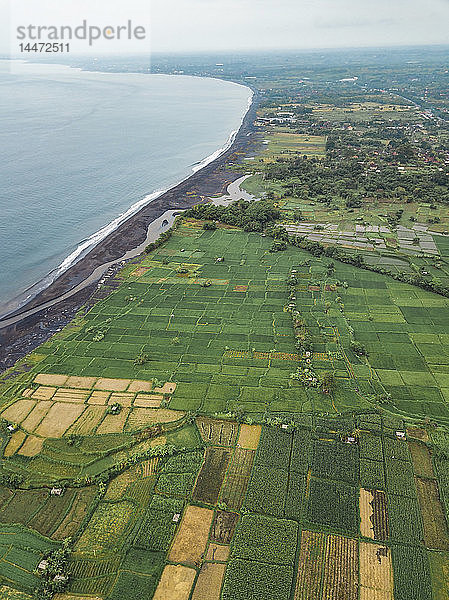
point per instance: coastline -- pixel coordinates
(26, 327)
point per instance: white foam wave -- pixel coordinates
(102, 233)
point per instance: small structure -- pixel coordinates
(284, 426)
(176, 517)
(400, 435)
(12, 428)
(60, 578)
(43, 565)
(349, 439)
(55, 491)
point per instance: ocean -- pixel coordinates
(81, 151)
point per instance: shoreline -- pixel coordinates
(26, 327)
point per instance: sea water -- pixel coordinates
(82, 151)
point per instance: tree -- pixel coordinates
(327, 382)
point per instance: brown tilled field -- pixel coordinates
(224, 526)
(73, 519)
(217, 552)
(249, 436)
(175, 584)
(88, 421)
(18, 411)
(114, 423)
(32, 446)
(237, 478)
(59, 418)
(218, 433)
(311, 560)
(208, 584)
(373, 514)
(366, 513)
(46, 379)
(36, 415)
(376, 575)
(192, 535)
(14, 443)
(46, 520)
(43, 393)
(341, 569)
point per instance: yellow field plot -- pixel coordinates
(7, 593)
(114, 423)
(80, 382)
(217, 553)
(32, 446)
(112, 385)
(159, 441)
(140, 386)
(366, 514)
(43, 393)
(100, 398)
(148, 467)
(15, 442)
(28, 392)
(69, 395)
(208, 584)
(46, 379)
(18, 411)
(167, 388)
(36, 415)
(73, 597)
(148, 400)
(118, 485)
(192, 535)
(143, 417)
(88, 421)
(59, 418)
(376, 575)
(249, 436)
(286, 142)
(107, 525)
(123, 399)
(175, 583)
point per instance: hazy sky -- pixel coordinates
(190, 25)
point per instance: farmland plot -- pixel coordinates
(223, 526)
(436, 534)
(208, 585)
(411, 573)
(311, 562)
(376, 575)
(210, 478)
(237, 478)
(340, 580)
(373, 514)
(218, 433)
(191, 538)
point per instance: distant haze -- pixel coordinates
(216, 25)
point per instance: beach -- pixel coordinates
(29, 326)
